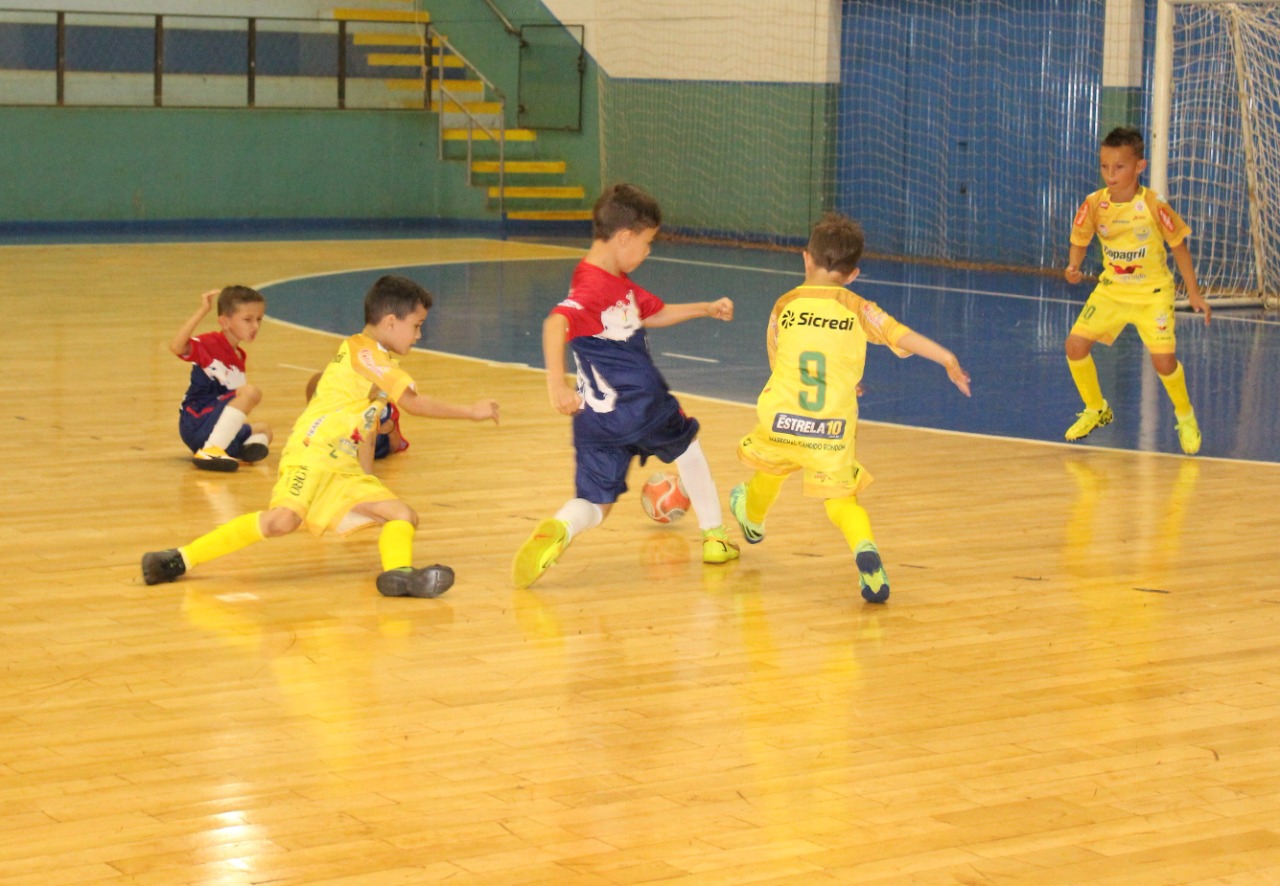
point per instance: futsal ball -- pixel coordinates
(664, 498)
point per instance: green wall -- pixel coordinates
(117, 164)
(700, 149)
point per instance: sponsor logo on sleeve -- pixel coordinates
(367, 360)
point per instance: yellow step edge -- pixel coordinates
(394, 60)
(370, 38)
(550, 215)
(473, 107)
(536, 167)
(450, 61)
(462, 85)
(382, 15)
(571, 192)
(512, 135)
(406, 84)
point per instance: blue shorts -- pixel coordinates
(195, 426)
(601, 475)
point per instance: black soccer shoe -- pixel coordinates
(430, 581)
(251, 452)
(159, 567)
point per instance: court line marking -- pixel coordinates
(689, 357)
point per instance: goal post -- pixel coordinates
(1215, 140)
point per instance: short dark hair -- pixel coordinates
(1126, 137)
(232, 297)
(836, 243)
(624, 207)
(392, 294)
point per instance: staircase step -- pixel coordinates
(452, 107)
(512, 135)
(382, 15)
(370, 38)
(456, 86)
(550, 215)
(406, 84)
(569, 192)
(518, 167)
(394, 60)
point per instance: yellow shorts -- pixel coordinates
(830, 470)
(324, 499)
(1105, 316)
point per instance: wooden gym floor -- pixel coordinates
(1077, 679)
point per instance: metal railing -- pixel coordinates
(474, 122)
(74, 46)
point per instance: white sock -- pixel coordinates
(580, 514)
(695, 474)
(226, 428)
(256, 438)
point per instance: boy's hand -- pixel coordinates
(483, 410)
(1072, 275)
(720, 310)
(207, 298)
(564, 399)
(1199, 305)
(958, 376)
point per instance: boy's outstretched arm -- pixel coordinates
(670, 315)
(429, 407)
(931, 350)
(182, 337)
(564, 399)
(1182, 258)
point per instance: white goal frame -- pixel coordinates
(1162, 99)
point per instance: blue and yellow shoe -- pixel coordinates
(871, 574)
(716, 547)
(752, 532)
(537, 555)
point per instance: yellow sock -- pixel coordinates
(1176, 384)
(851, 519)
(395, 544)
(762, 492)
(1085, 374)
(227, 538)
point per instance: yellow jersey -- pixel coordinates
(817, 342)
(348, 401)
(1132, 237)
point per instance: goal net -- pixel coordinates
(1223, 144)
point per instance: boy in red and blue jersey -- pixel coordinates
(621, 407)
(213, 417)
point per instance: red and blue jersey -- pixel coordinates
(623, 392)
(217, 371)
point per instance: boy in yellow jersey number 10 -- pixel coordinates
(1133, 225)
